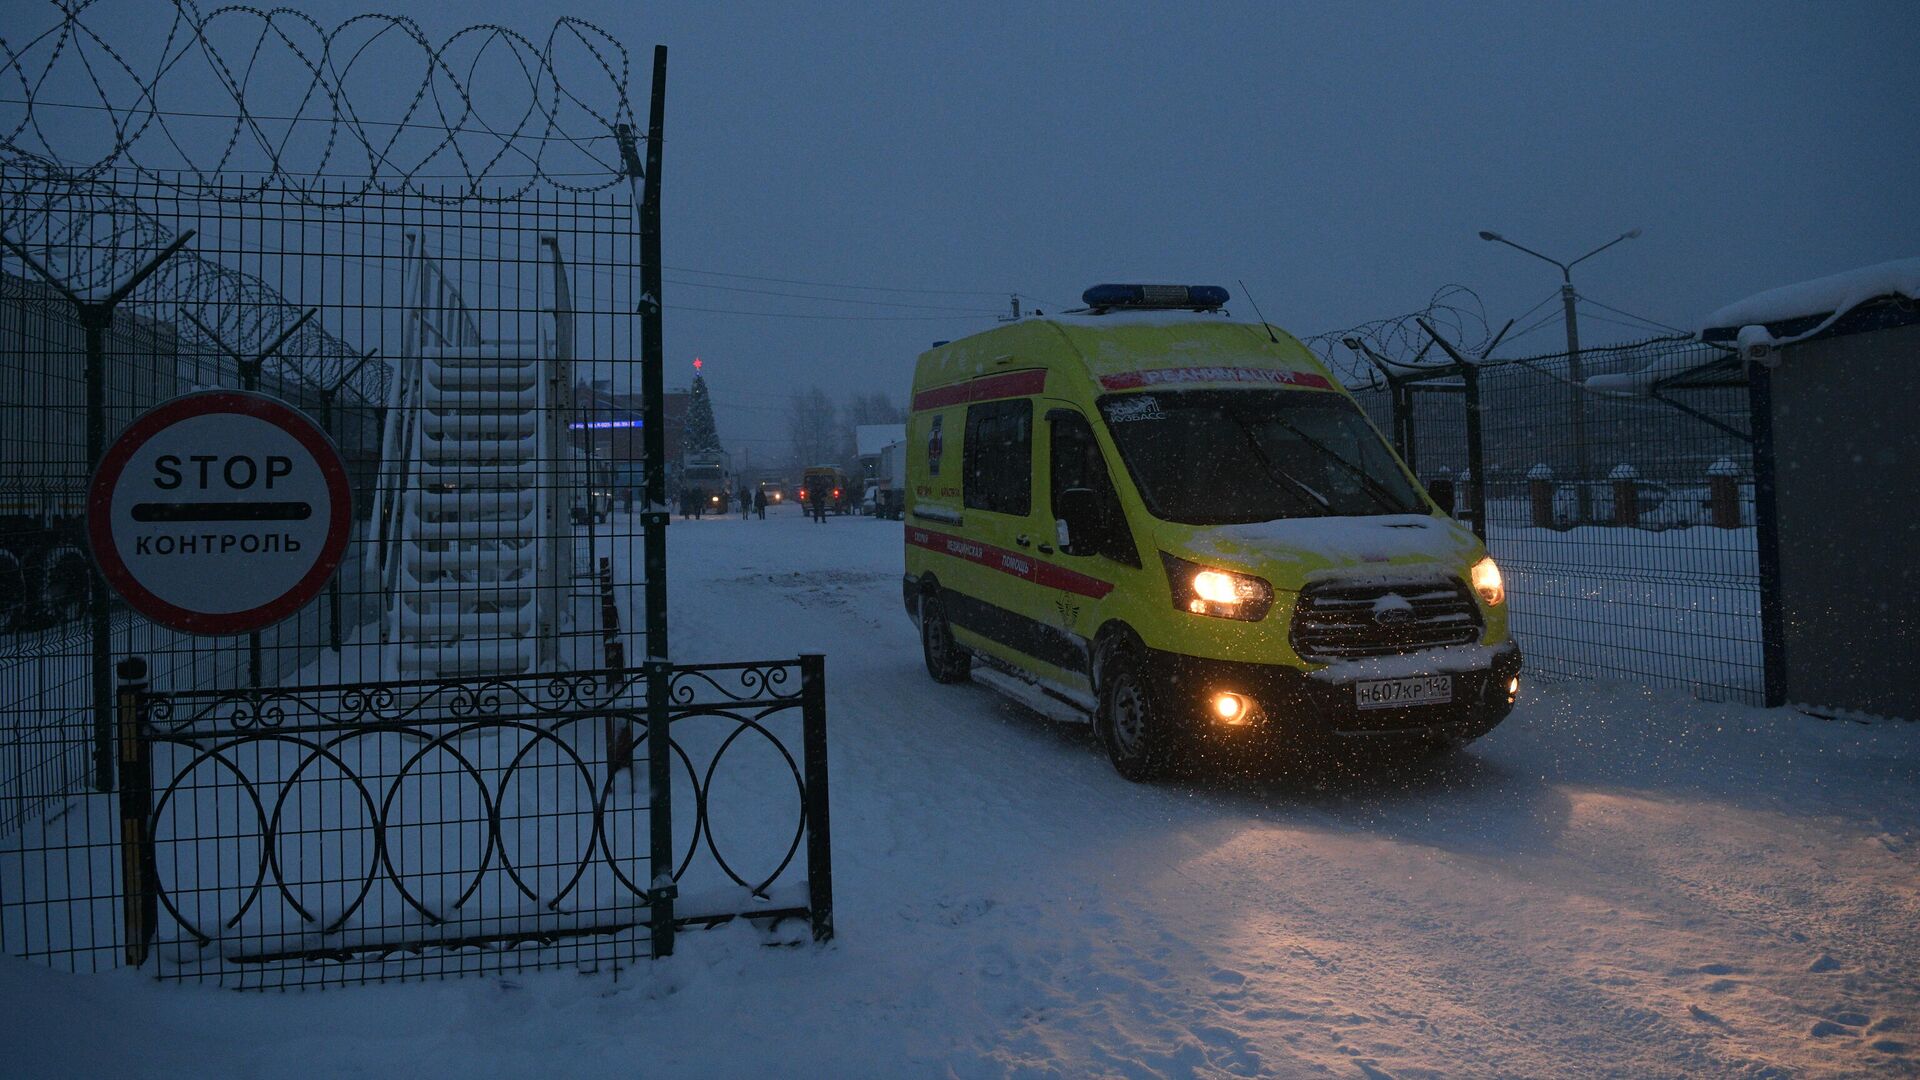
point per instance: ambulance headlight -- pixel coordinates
(1486, 582)
(1222, 594)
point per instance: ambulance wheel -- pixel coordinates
(947, 660)
(1140, 737)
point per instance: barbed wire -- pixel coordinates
(1454, 310)
(89, 237)
(274, 95)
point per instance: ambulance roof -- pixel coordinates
(1128, 349)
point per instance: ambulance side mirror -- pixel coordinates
(1080, 529)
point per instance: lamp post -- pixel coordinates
(1583, 497)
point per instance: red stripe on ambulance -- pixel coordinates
(1021, 566)
(1010, 384)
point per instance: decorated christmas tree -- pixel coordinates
(700, 436)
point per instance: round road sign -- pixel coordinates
(219, 512)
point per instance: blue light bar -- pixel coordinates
(595, 425)
(1156, 297)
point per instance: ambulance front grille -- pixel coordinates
(1344, 621)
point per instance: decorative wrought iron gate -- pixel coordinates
(408, 829)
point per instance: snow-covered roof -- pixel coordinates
(1777, 317)
(1829, 297)
(870, 438)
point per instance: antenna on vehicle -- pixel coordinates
(1257, 311)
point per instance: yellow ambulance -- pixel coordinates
(1179, 526)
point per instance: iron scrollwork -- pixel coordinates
(325, 805)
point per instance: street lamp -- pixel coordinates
(1567, 296)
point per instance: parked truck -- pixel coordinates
(890, 481)
(707, 480)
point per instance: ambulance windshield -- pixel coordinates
(1218, 457)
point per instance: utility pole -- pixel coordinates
(1576, 373)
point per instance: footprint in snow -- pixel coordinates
(1823, 963)
(1827, 1027)
(1704, 1016)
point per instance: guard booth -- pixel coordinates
(1833, 369)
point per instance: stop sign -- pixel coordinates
(219, 512)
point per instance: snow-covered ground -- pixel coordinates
(1616, 882)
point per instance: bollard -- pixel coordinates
(1540, 495)
(1626, 495)
(139, 903)
(1723, 493)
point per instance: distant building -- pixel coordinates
(611, 423)
(868, 441)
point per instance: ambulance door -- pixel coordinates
(995, 599)
(1079, 574)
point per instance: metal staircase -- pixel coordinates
(474, 543)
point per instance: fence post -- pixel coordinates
(1441, 488)
(661, 890)
(1723, 493)
(139, 906)
(1476, 473)
(1766, 531)
(813, 706)
(1626, 495)
(1540, 495)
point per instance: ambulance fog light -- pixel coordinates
(1513, 689)
(1232, 709)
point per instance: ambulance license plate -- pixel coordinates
(1400, 693)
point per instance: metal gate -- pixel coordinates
(418, 828)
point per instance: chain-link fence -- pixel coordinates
(1624, 524)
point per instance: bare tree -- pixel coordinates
(813, 428)
(873, 408)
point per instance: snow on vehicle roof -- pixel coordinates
(1832, 296)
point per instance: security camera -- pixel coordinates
(1757, 346)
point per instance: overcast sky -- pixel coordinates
(1340, 160)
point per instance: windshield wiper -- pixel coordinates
(1381, 495)
(1273, 467)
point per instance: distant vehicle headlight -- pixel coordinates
(1486, 582)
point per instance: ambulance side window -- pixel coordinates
(1077, 463)
(999, 457)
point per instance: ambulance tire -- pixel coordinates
(947, 660)
(1140, 738)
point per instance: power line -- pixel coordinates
(832, 299)
(804, 315)
(1642, 318)
(835, 284)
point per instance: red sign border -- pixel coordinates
(205, 403)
